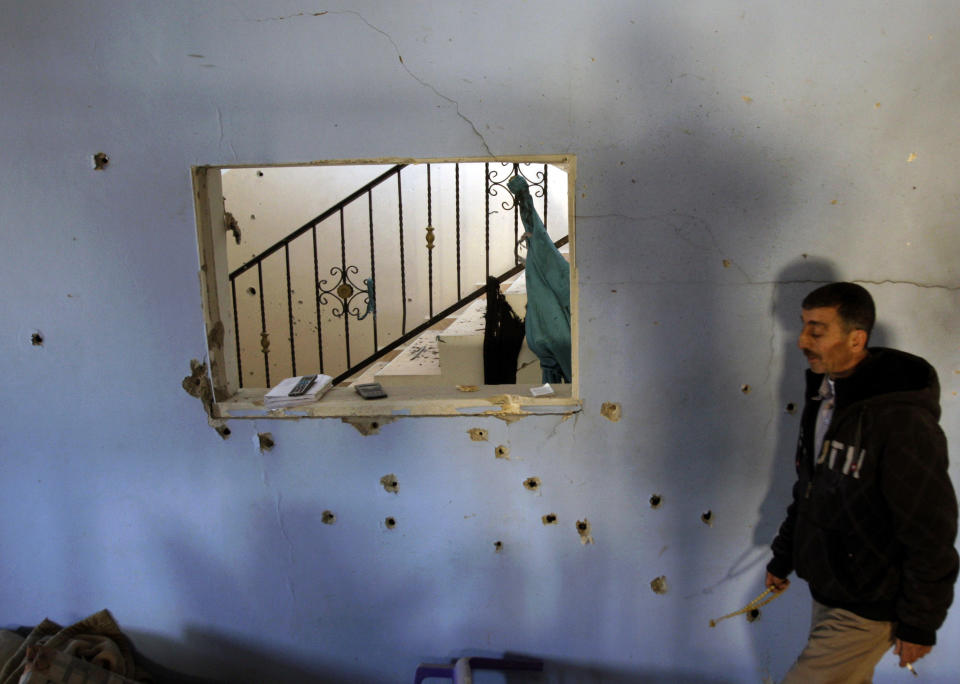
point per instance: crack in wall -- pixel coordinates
(678, 229)
(396, 48)
(749, 281)
(293, 16)
(286, 538)
(220, 144)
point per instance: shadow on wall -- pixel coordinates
(675, 232)
(793, 283)
(228, 660)
(251, 644)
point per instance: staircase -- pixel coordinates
(451, 353)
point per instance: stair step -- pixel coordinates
(461, 350)
(454, 355)
(418, 364)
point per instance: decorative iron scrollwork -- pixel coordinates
(498, 177)
(346, 291)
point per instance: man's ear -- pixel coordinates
(858, 340)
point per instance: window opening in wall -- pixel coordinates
(371, 272)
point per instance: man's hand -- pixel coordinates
(778, 584)
(910, 653)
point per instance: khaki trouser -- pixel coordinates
(843, 648)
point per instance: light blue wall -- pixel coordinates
(731, 155)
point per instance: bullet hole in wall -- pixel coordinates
(549, 519)
(502, 452)
(532, 483)
(583, 529)
(659, 585)
(266, 441)
(610, 411)
(390, 522)
(745, 389)
(231, 224)
(656, 501)
(367, 426)
(498, 546)
(100, 161)
(36, 339)
(707, 518)
(390, 483)
(477, 434)
(328, 518)
(791, 408)
(251, 291)
(198, 385)
(260, 174)
(752, 615)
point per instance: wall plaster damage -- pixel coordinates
(610, 411)
(366, 425)
(477, 434)
(198, 385)
(583, 529)
(390, 484)
(502, 452)
(549, 519)
(265, 440)
(659, 585)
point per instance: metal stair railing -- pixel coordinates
(349, 296)
(420, 329)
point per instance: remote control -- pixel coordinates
(305, 383)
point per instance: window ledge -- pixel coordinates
(508, 402)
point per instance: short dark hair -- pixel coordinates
(854, 304)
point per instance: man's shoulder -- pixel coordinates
(896, 376)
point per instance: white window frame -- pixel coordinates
(509, 402)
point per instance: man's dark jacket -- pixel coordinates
(874, 515)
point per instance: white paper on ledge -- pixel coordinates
(279, 396)
(544, 390)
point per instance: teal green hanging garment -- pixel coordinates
(548, 292)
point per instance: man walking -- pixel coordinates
(874, 516)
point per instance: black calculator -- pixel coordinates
(304, 384)
(370, 390)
